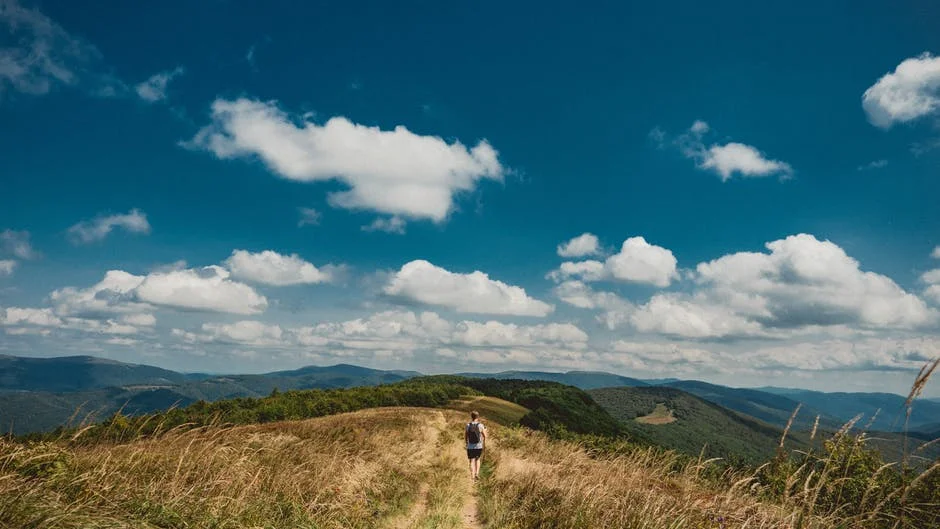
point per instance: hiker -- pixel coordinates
(475, 435)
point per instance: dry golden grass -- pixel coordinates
(396, 468)
(536, 482)
(532, 481)
(344, 471)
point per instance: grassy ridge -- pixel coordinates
(335, 472)
(699, 424)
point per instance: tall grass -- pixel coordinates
(336, 472)
(536, 481)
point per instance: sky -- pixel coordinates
(737, 193)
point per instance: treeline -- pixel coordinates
(553, 407)
(561, 411)
(278, 406)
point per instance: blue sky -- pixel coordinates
(752, 191)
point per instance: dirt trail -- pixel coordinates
(447, 498)
(468, 511)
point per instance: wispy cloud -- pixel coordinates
(154, 88)
(17, 244)
(308, 217)
(726, 160)
(46, 56)
(394, 225)
(877, 164)
(88, 231)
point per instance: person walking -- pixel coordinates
(475, 435)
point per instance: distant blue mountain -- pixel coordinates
(38, 394)
(887, 408)
(581, 379)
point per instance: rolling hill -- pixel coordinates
(697, 423)
(41, 394)
(79, 373)
(767, 407)
(890, 409)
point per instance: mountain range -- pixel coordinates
(39, 394)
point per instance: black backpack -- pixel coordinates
(473, 433)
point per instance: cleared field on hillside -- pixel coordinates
(660, 415)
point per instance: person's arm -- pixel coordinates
(483, 435)
(466, 434)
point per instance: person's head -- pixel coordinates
(474, 415)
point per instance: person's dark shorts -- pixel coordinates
(474, 453)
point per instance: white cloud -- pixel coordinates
(636, 262)
(580, 246)
(203, 289)
(108, 327)
(45, 317)
(676, 315)
(664, 353)
(400, 334)
(139, 320)
(396, 172)
(30, 316)
(17, 243)
(119, 292)
(7, 266)
(935, 253)
(244, 332)
(802, 283)
(494, 333)
(641, 262)
(730, 158)
(308, 217)
(910, 92)
(272, 268)
(589, 270)
(807, 280)
(932, 279)
(615, 311)
(113, 294)
(44, 55)
(123, 342)
(154, 88)
(394, 225)
(475, 292)
(87, 231)
(745, 160)
(871, 353)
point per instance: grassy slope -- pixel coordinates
(492, 408)
(698, 423)
(334, 472)
(391, 467)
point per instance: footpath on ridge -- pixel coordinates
(447, 497)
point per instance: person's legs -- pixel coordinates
(476, 467)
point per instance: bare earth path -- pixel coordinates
(446, 497)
